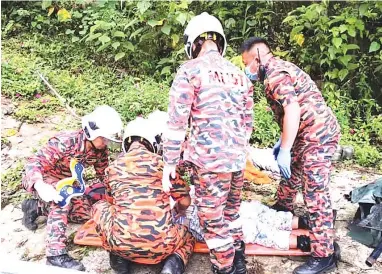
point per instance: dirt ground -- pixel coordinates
(19, 243)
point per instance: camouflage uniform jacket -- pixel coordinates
(141, 214)
(53, 160)
(216, 99)
(286, 83)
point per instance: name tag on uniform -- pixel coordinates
(226, 78)
(91, 161)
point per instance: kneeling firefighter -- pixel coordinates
(135, 223)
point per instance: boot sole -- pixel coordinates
(78, 269)
(329, 270)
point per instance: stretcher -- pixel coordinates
(87, 235)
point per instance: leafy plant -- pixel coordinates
(11, 185)
(265, 129)
(367, 155)
(18, 77)
(125, 54)
(332, 44)
(37, 109)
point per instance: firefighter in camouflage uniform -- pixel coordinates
(215, 99)
(310, 135)
(136, 224)
(89, 146)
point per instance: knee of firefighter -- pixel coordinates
(207, 203)
(210, 211)
(101, 211)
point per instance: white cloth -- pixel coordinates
(261, 224)
(264, 159)
(265, 226)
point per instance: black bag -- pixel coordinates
(366, 227)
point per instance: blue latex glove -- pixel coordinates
(283, 160)
(276, 148)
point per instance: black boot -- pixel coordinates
(30, 210)
(303, 243)
(334, 217)
(317, 265)
(239, 260)
(119, 264)
(303, 222)
(65, 261)
(279, 207)
(227, 270)
(337, 252)
(173, 265)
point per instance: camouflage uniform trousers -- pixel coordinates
(218, 198)
(311, 167)
(181, 243)
(77, 211)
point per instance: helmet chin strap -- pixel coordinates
(207, 36)
(132, 139)
(94, 147)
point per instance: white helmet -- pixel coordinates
(149, 130)
(158, 120)
(202, 23)
(105, 122)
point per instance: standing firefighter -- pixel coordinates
(52, 163)
(136, 224)
(216, 99)
(310, 134)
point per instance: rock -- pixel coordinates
(30, 130)
(5, 145)
(7, 109)
(97, 261)
(9, 123)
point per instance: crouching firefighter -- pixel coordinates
(89, 147)
(135, 223)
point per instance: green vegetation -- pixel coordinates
(125, 53)
(11, 184)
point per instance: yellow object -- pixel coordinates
(10, 132)
(299, 38)
(63, 15)
(69, 190)
(68, 181)
(254, 175)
